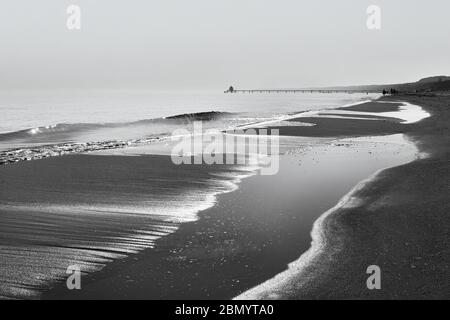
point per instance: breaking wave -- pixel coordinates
(69, 128)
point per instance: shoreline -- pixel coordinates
(270, 289)
(233, 245)
(333, 242)
(64, 212)
(101, 280)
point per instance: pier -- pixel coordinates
(232, 90)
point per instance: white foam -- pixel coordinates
(275, 288)
(408, 113)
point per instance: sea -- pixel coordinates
(38, 118)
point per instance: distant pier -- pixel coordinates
(232, 90)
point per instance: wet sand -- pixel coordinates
(334, 127)
(90, 210)
(251, 234)
(399, 220)
(373, 107)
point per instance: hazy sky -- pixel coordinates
(210, 44)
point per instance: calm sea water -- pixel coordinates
(23, 110)
(34, 118)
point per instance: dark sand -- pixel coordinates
(342, 127)
(363, 116)
(89, 210)
(373, 107)
(249, 236)
(220, 256)
(403, 226)
(337, 127)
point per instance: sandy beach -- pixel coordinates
(388, 226)
(245, 236)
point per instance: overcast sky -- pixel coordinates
(210, 44)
